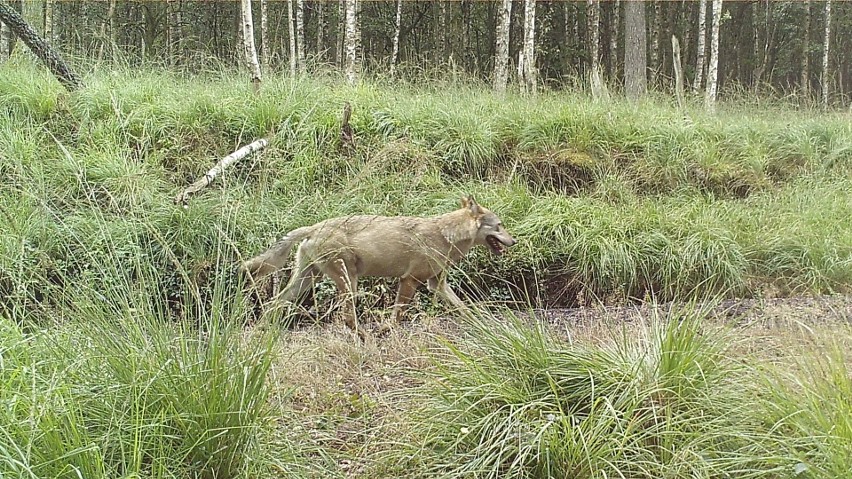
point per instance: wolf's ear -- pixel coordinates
(473, 206)
(464, 201)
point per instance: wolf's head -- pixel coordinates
(489, 228)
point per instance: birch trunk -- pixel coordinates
(806, 50)
(501, 60)
(350, 39)
(300, 34)
(212, 173)
(341, 27)
(702, 47)
(320, 6)
(5, 41)
(248, 41)
(678, 71)
(264, 34)
(655, 42)
(635, 50)
(713, 69)
(292, 31)
(396, 32)
(613, 38)
(113, 28)
(174, 31)
(529, 70)
(594, 9)
(49, 34)
(825, 48)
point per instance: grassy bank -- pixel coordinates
(126, 349)
(610, 200)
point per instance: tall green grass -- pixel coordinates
(665, 400)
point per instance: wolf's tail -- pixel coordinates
(276, 256)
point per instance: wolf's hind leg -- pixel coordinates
(406, 292)
(304, 276)
(346, 280)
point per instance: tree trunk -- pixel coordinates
(350, 42)
(113, 29)
(300, 34)
(613, 39)
(593, 8)
(341, 27)
(396, 31)
(713, 70)
(248, 41)
(805, 83)
(501, 60)
(702, 47)
(265, 46)
(5, 41)
(529, 70)
(656, 28)
(37, 45)
(294, 65)
(678, 71)
(825, 48)
(174, 31)
(635, 50)
(49, 33)
(320, 6)
(33, 13)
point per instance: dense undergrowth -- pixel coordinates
(123, 348)
(608, 199)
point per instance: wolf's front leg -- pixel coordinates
(440, 287)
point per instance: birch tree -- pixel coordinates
(174, 30)
(806, 50)
(529, 70)
(264, 34)
(656, 28)
(300, 34)
(49, 33)
(320, 9)
(351, 41)
(594, 8)
(248, 41)
(635, 50)
(702, 47)
(613, 38)
(5, 41)
(113, 28)
(501, 60)
(396, 33)
(825, 48)
(292, 38)
(713, 69)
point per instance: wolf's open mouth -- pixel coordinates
(495, 244)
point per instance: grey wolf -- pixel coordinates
(417, 250)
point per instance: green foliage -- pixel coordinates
(514, 401)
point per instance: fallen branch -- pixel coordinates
(219, 168)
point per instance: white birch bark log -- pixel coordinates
(212, 173)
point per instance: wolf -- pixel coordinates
(417, 250)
